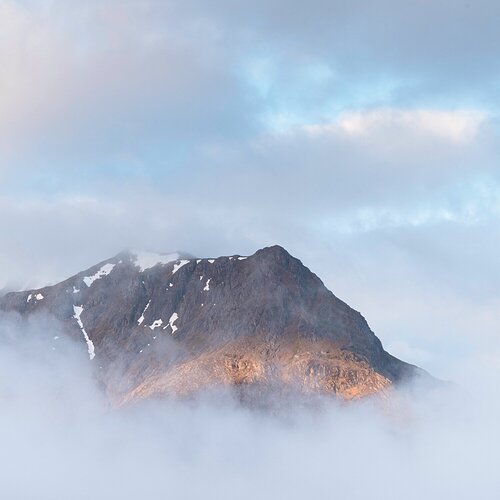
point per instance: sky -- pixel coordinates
(361, 136)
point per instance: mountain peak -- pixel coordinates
(277, 250)
(275, 253)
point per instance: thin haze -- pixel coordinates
(361, 136)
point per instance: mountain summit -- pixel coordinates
(171, 324)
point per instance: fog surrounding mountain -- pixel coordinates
(60, 438)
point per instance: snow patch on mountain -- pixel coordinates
(171, 322)
(37, 297)
(90, 345)
(178, 265)
(103, 271)
(141, 319)
(156, 324)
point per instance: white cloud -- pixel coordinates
(460, 126)
(92, 84)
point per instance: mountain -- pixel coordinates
(171, 324)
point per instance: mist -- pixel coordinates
(62, 439)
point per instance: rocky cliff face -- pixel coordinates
(171, 324)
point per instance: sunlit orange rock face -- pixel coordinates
(306, 367)
(174, 325)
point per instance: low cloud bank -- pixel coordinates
(60, 439)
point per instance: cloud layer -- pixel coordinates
(59, 438)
